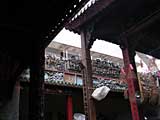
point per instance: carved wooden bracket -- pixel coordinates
(89, 34)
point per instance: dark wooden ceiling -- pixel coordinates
(138, 19)
(26, 22)
(25, 25)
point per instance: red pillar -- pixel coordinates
(69, 108)
(131, 80)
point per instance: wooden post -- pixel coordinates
(36, 90)
(89, 105)
(69, 108)
(10, 110)
(131, 54)
(131, 78)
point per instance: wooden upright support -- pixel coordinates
(10, 110)
(69, 108)
(131, 54)
(131, 77)
(89, 105)
(36, 90)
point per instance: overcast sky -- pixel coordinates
(70, 38)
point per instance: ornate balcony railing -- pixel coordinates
(68, 72)
(99, 67)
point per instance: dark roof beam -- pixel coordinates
(99, 5)
(142, 26)
(64, 20)
(143, 23)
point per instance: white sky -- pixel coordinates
(70, 38)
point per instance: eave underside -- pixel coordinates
(138, 19)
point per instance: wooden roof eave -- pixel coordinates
(135, 29)
(51, 35)
(85, 16)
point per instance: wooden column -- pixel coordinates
(69, 108)
(131, 78)
(89, 105)
(132, 54)
(10, 110)
(36, 90)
